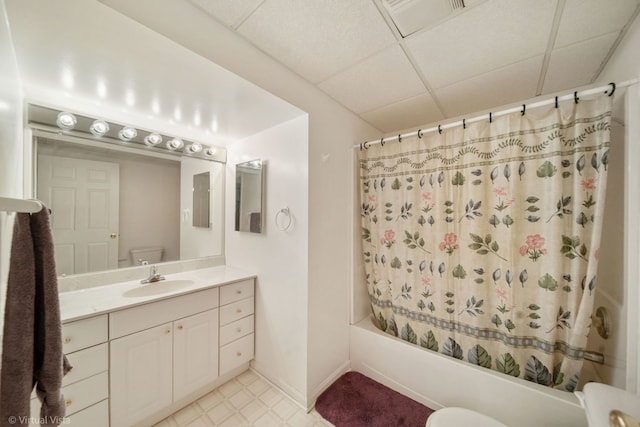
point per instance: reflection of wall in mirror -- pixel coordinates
(198, 242)
(250, 201)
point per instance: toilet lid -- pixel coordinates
(457, 417)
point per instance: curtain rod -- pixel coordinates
(607, 89)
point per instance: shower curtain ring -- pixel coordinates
(382, 142)
(464, 123)
(575, 97)
(419, 133)
(613, 88)
(366, 147)
(439, 129)
(556, 102)
(490, 117)
(399, 138)
(524, 109)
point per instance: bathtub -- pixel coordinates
(438, 381)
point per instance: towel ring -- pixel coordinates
(287, 213)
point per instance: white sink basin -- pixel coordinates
(157, 288)
(599, 400)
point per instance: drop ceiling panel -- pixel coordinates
(359, 88)
(499, 87)
(585, 19)
(317, 39)
(232, 13)
(404, 114)
(487, 37)
(576, 65)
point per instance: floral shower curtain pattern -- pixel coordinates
(482, 243)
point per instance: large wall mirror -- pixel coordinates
(249, 214)
(116, 205)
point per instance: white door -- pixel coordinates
(195, 352)
(140, 372)
(83, 196)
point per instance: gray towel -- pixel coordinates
(32, 342)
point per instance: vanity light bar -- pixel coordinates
(53, 120)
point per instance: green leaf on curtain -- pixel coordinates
(548, 283)
(496, 320)
(536, 372)
(506, 364)
(408, 334)
(533, 218)
(393, 327)
(476, 182)
(382, 322)
(421, 305)
(533, 208)
(396, 263)
(580, 164)
(507, 220)
(521, 170)
(572, 383)
(605, 159)
(507, 172)
(396, 185)
(494, 174)
(534, 307)
(582, 219)
(494, 220)
(534, 325)
(459, 272)
(429, 341)
(509, 325)
(423, 179)
(479, 356)
(595, 162)
(458, 179)
(566, 174)
(532, 199)
(566, 163)
(453, 349)
(546, 170)
(476, 238)
(366, 235)
(558, 375)
(440, 178)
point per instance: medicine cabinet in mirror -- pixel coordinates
(249, 198)
(120, 204)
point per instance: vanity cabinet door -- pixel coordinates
(141, 367)
(195, 351)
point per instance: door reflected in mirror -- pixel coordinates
(201, 189)
(249, 198)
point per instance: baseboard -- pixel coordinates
(344, 368)
(291, 392)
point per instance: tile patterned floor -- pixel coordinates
(247, 400)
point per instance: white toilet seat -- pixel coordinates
(459, 417)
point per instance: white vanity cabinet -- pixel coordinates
(154, 367)
(236, 324)
(86, 386)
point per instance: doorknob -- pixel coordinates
(113, 235)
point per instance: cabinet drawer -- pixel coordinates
(236, 291)
(86, 363)
(94, 416)
(236, 353)
(84, 333)
(237, 329)
(232, 312)
(130, 320)
(80, 395)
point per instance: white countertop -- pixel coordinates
(75, 305)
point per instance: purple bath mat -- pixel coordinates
(355, 400)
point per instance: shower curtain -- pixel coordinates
(482, 242)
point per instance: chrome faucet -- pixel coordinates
(154, 276)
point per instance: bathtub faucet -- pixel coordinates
(154, 276)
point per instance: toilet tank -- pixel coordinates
(150, 255)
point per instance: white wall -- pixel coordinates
(10, 114)
(279, 258)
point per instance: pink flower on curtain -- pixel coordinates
(388, 239)
(596, 254)
(588, 184)
(533, 247)
(449, 244)
(426, 196)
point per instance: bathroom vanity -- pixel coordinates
(141, 352)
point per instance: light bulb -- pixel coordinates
(174, 144)
(127, 133)
(195, 148)
(152, 139)
(210, 151)
(99, 127)
(66, 121)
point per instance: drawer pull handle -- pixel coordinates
(67, 403)
(180, 327)
(67, 340)
(238, 354)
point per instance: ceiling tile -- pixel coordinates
(489, 36)
(494, 89)
(585, 19)
(231, 13)
(318, 38)
(576, 65)
(384, 78)
(404, 114)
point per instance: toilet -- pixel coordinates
(149, 255)
(458, 417)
